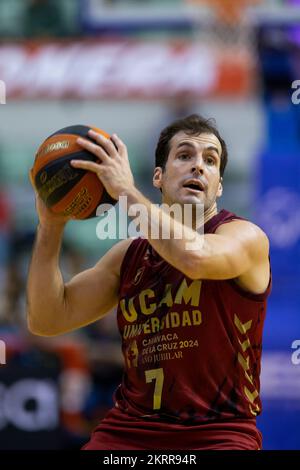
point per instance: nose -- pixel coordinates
(198, 165)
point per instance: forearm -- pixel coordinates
(180, 248)
(45, 286)
(212, 256)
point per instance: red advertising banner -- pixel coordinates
(123, 69)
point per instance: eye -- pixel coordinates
(184, 156)
(210, 160)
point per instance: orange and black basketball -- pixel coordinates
(64, 189)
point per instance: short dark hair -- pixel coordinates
(191, 125)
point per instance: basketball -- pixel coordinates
(64, 189)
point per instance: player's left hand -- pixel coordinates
(113, 168)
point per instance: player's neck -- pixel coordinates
(204, 218)
(210, 213)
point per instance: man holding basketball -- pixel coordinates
(191, 320)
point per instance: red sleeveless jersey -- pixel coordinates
(192, 351)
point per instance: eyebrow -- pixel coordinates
(188, 144)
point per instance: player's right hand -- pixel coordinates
(45, 215)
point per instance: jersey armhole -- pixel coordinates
(126, 258)
(249, 295)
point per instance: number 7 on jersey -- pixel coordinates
(158, 376)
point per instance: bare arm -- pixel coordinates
(235, 249)
(232, 251)
(238, 250)
(53, 307)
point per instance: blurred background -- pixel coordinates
(131, 67)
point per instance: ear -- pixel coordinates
(157, 177)
(220, 188)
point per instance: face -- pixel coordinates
(192, 171)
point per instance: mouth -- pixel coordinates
(194, 185)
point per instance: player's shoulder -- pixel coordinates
(113, 258)
(122, 246)
(246, 231)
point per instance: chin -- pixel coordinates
(192, 200)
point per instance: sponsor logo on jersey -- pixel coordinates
(138, 275)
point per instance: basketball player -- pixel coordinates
(191, 321)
